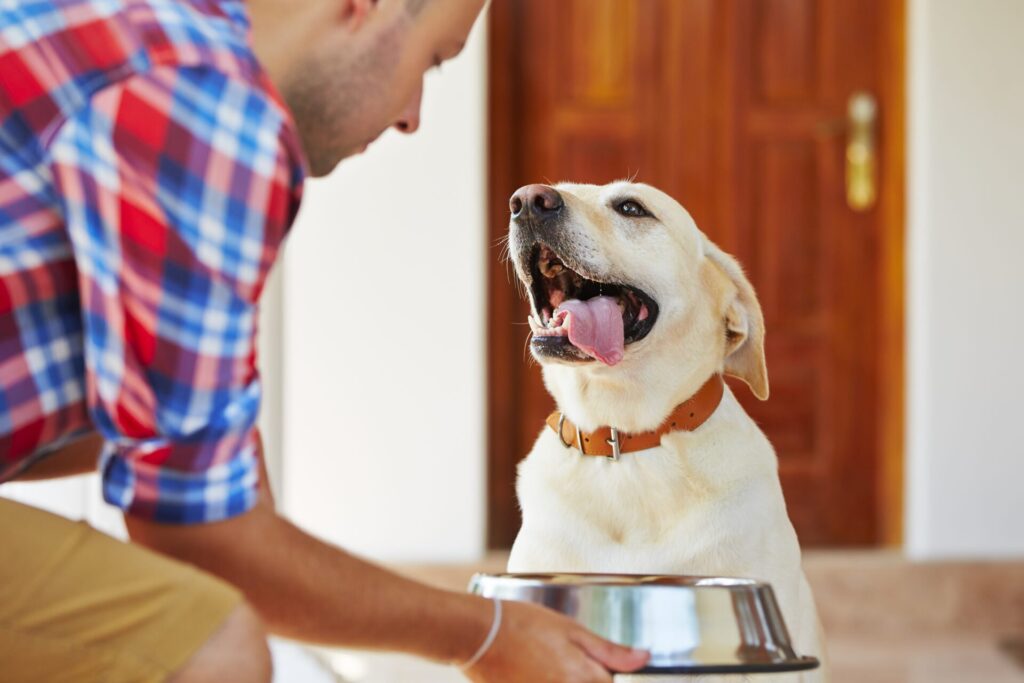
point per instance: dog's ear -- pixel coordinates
(743, 327)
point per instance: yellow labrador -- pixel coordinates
(634, 310)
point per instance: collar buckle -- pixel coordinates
(569, 444)
(615, 444)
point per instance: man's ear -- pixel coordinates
(743, 327)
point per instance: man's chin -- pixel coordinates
(319, 168)
(322, 166)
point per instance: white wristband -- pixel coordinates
(491, 635)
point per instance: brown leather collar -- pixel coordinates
(610, 442)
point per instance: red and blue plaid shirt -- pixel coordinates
(148, 174)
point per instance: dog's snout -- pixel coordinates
(535, 200)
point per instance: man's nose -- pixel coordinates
(409, 120)
(539, 201)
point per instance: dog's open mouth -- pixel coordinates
(579, 319)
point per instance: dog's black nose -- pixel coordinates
(539, 201)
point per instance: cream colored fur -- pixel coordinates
(706, 502)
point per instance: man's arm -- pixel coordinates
(302, 587)
(285, 592)
(288, 576)
(308, 590)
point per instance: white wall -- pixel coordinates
(383, 370)
(270, 358)
(966, 264)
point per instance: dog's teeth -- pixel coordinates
(551, 268)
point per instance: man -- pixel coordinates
(151, 155)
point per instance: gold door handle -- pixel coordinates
(861, 185)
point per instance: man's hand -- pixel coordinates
(538, 645)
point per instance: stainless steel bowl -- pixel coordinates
(690, 624)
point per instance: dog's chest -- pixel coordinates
(653, 511)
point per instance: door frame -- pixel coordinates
(504, 175)
(892, 245)
(505, 349)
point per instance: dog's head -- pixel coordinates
(626, 291)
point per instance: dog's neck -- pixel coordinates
(635, 398)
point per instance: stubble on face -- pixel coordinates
(341, 96)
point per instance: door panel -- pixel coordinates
(738, 109)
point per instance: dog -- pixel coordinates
(636, 314)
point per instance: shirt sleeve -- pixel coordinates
(177, 188)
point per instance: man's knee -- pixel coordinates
(237, 651)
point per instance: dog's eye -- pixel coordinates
(632, 209)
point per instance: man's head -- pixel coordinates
(350, 69)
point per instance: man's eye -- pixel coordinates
(632, 209)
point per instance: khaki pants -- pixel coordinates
(77, 605)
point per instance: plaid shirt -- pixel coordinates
(148, 173)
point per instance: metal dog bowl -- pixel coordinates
(690, 624)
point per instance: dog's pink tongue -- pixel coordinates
(595, 327)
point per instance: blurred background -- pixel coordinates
(862, 159)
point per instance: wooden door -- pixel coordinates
(738, 108)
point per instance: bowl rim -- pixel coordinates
(610, 580)
(799, 663)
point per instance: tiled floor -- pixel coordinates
(379, 668)
(934, 660)
(938, 659)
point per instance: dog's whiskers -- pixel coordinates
(520, 287)
(526, 347)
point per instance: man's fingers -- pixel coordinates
(537, 644)
(610, 655)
